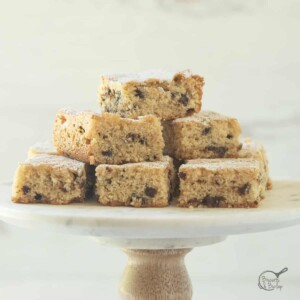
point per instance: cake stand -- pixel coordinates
(157, 239)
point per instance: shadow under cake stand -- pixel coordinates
(156, 240)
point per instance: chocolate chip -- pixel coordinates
(107, 153)
(184, 99)
(182, 175)
(206, 130)
(104, 136)
(108, 181)
(244, 189)
(75, 175)
(239, 147)
(26, 189)
(108, 92)
(212, 201)
(218, 150)
(130, 137)
(229, 136)
(190, 111)
(135, 137)
(109, 169)
(63, 189)
(81, 129)
(138, 93)
(150, 191)
(193, 202)
(201, 181)
(38, 197)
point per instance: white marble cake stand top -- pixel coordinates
(150, 228)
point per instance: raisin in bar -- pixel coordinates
(203, 135)
(257, 151)
(164, 94)
(107, 138)
(227, 182)
(145, 184)
(48, 148)
(50, 179)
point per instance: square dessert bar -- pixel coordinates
(257, 151)
(48, 148)
(164, 94)
(227, 182)
(50, 179)
(145, 184)
(107, 138)
(203, 135)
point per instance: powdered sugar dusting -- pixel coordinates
(151, 74)
(57, 162)
(203, 117)
(223, 163)
(164, 163)
(73, 112)
(104, 115)
(251, 149)
(43, 148)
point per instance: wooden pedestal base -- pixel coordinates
(156, 275)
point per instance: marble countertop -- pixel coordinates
(51, 56)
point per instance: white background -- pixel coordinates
(51, 56)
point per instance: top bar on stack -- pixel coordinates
(164, 94)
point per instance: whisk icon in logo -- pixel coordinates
(269, 280)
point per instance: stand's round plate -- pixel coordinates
(170, 227)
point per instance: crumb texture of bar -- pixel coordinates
(145, 184)
(164, 94)
(257, 151)
(203, 135)
(227, 182)
(108, 138)
(49, 179)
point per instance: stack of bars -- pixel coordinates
(150, 144)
